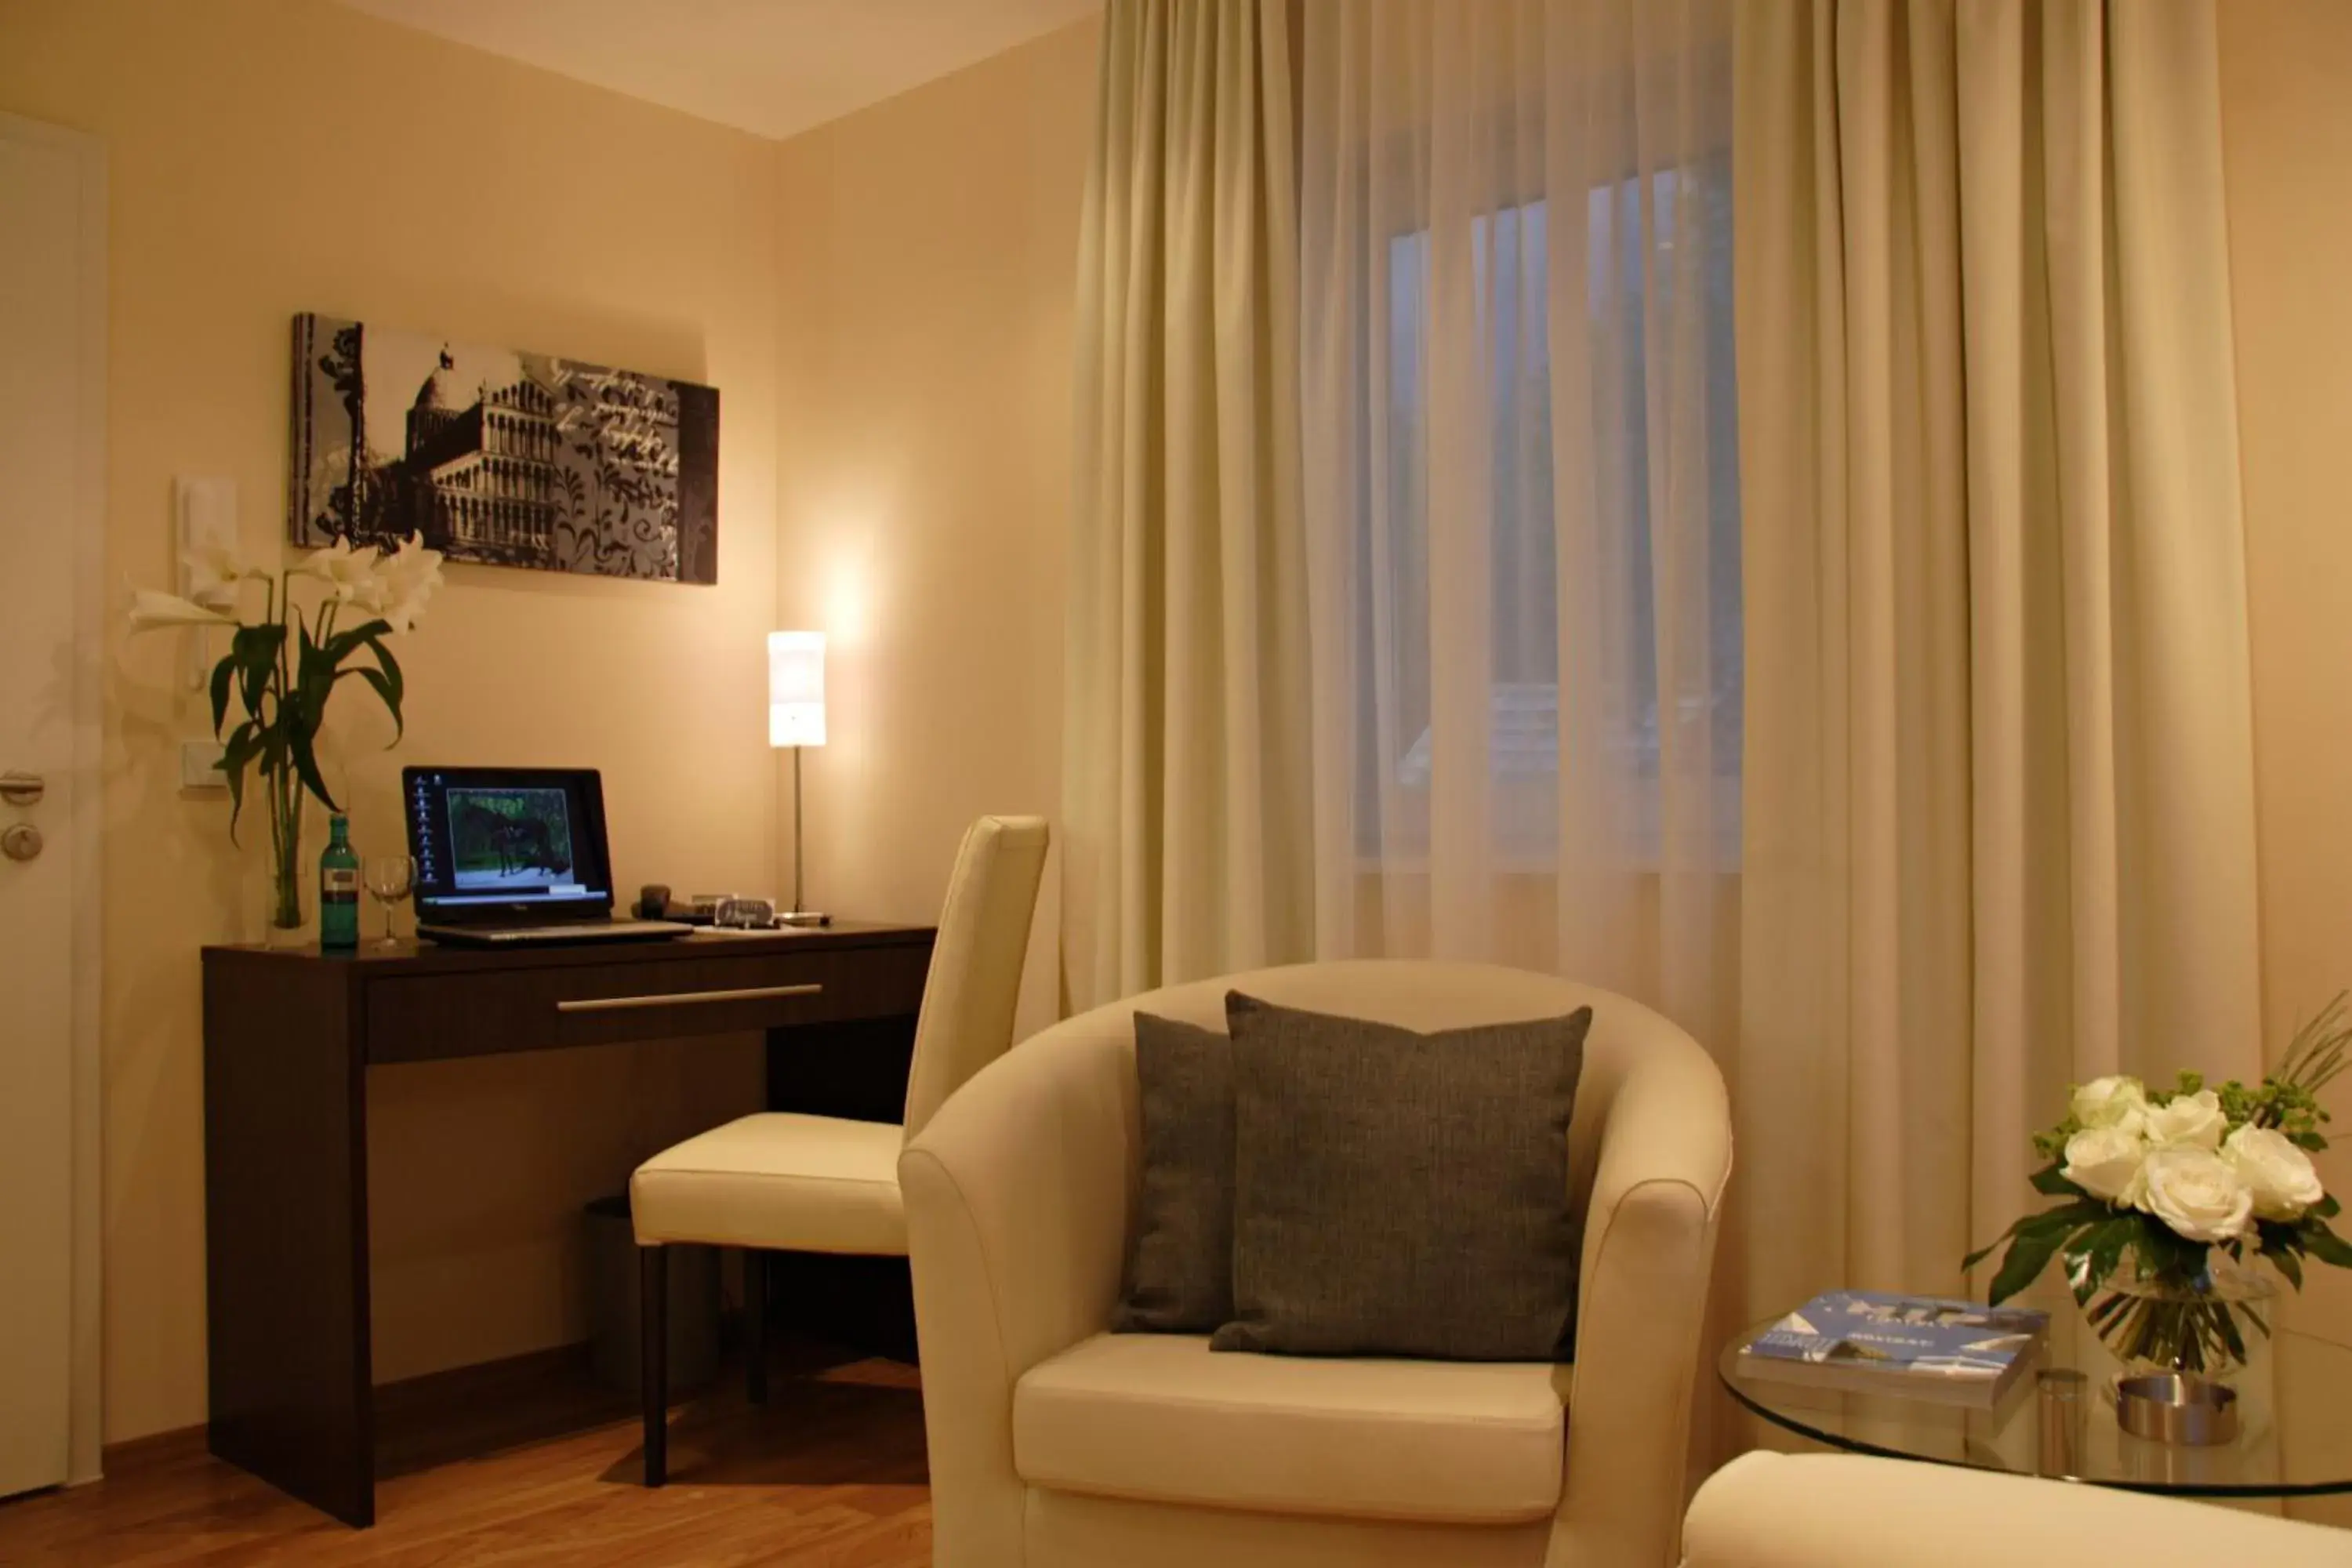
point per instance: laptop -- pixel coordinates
(513, 856)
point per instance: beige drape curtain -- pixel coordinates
(1998, 810)
(1522, 486)
(1185, 778)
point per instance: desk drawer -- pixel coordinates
(428, 1018)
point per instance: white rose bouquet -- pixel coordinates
(283, 665)
(2158, 1183)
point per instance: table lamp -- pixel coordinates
(796, 718)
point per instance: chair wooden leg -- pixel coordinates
(652, 1309)
(755, 1323)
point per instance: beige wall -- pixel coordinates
(929, 252)
(270, 156)
(2287, 128)
(884, 306)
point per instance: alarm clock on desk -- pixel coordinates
(728, 911)
(654, 903)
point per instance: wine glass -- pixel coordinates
(389, 878)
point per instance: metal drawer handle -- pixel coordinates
(678, 998)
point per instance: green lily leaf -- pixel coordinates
(314, 681)
(2093, 1255)
(2284, 1260)
(2028, 1256)
(240, 750)
(1987, 1250)
(255, 650)
(306, 766)
(2324, 1244)
(393, 689)
(223, 679)
(341, 646)
(2054, 1223)
(2048, 1180)
(1969, 1263)
(385, 689)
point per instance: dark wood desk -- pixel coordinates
(288, 1038)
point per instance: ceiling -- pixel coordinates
(772, 67)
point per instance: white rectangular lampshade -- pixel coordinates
(796, 689)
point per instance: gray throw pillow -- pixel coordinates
(1180, 1271)
(1401, 1193)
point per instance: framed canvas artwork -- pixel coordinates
(501, 456)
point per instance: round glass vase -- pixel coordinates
(2203, 1325)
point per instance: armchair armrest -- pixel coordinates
(1664, 1159)
(1016, 1199)
(1847, 1511)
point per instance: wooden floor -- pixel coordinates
(530, 1464)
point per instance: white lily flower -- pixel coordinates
(410, 576)
(150, 610)
(347, 573)
(214, 573)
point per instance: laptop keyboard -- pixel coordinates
(564, 932)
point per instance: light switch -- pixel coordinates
(200, 765)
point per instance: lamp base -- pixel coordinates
(803, 918)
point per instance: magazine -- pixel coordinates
(1870, 1341)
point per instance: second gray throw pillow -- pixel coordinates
(1180, 1267)
(1402, 1194)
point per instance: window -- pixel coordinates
(1631, 472)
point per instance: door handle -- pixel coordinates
(680, 998)
(22, 788)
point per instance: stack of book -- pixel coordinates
(1920, 1347)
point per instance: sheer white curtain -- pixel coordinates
(1522, 486)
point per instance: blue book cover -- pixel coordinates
(1890, 1339)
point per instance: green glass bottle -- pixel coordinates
(338, 889)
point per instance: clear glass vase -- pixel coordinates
(286, 918)
(2203, 1325)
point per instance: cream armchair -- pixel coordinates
(1054, 1442)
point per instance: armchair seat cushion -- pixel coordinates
(1157, 1417)
(781, 1180)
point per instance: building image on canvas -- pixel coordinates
(500, 457)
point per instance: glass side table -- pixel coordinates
(2294, 1436)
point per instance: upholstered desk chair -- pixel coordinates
(786, 1183)
(1054, 1442)
(1851, 1511)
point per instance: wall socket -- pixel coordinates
(199, 765)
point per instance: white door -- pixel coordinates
(52, 409)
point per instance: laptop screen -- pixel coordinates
(498, 842)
